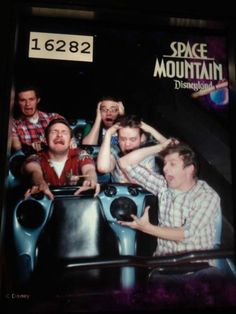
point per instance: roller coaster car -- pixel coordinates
(68, 229)
(75, 232)
(73, 247)
(77, 126)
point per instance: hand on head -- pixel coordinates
(173, 141)
(99, 115)
(114, 128)
(121, 108)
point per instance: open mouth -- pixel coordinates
(28, 110)
(60, 142)
(109, 120)
(169, 178)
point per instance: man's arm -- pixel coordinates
(136, 156)
(155, 134)
(92, 137)
(15, 143)
(15, 139)
(105, 161)
(89, 171)
(143, 224)
(39, 184)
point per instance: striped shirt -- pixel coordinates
(195, 211)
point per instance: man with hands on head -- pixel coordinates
(108, 109)
(131, 136)
(60, 164)
(188, 207)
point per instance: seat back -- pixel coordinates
(76, 230)
(77, 126)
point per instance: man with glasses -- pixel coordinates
(108, 109)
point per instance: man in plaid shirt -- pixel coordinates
(28, 130)
(188, 207)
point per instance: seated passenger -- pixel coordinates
(29, 128)
(131, 136)
(108, 109)
(188, 207)
(60, 164)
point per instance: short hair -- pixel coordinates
(109, 98)
(186, 153)
(130, 121)
(25, 88)
(57, 120)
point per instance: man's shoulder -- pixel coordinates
(39, 156)
(43, 114)
(205, 188)
(18, 121)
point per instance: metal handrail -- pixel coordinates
(148, 262)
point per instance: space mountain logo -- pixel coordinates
(191, 63)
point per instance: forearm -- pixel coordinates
(136, 156)
(143, 224)
(37, 178)
(92, 137)
(167, 233)
(89, 173)
(34, 171)
(155, 134)
(16, 144)
(104, 156)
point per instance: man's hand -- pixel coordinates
(99, 115)
(121, 108)
(37, 146)
(113, 129)
(88, 185)
(39, 188)
(141, 223)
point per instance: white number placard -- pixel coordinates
(61, 46)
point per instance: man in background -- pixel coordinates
(28, 130)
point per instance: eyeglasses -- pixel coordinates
(111, 110)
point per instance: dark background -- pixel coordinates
(124, 30)
(126, 44)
